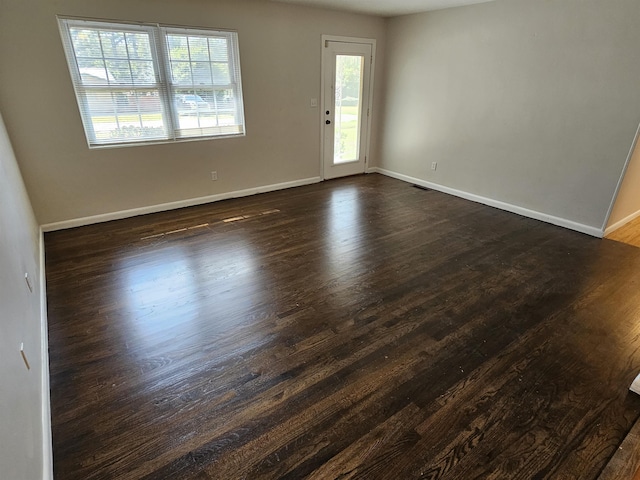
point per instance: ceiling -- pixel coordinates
(385, 8)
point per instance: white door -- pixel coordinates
(346, 70)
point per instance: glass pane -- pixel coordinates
(348, 90)
(138, 46)
(93, 72)
(181, 73)
(150, 108)
(192, 105)
(218, 49)
(221, 73)
(204, 108)
(198, 48)
(225, 107)
(201, 73)
(126, 115)
(113, 44)
(119, 69)
(86, 42)
(143, 72)
(178, 47)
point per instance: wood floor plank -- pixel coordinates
(625, 463)
(629, 234)
(357, 328)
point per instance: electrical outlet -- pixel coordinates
(314, 102)
(434, 165)
(214, 176)
(28, 280)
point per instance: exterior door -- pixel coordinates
(346, 69)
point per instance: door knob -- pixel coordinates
(328, 122)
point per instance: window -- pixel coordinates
(150, 83)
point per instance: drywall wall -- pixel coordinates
(21, 396)
(280, 51)
(627, 203)
(529, 102)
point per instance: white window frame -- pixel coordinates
(163, 82)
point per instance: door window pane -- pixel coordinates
(348, 92)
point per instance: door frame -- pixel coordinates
(337, 38)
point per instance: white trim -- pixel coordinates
(562, 222)
(619, 186)
(340, 38)
(47, 447)
(635, 385)
(370, 116)
(133, 212)
(621, 223)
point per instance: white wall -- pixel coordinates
(21, 396)
(627, 204)
(280, 51)
(534, 103)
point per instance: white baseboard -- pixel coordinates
(105, 217)
(525, 212)
(47, 447)
(635, 385)
(621, 223)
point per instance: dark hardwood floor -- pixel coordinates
(357, 328)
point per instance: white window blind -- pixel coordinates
(148, 83)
